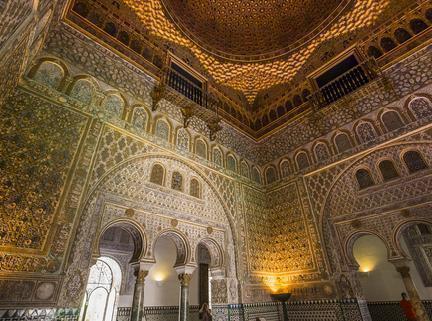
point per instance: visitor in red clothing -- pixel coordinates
(407, 308)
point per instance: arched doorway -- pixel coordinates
(414, 240)
(112, 278)
(378, 277)
(204, 278)
(102, 291)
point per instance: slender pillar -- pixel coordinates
(138, 297)
(412, 292)
(184, 279)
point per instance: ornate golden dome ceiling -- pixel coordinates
(326, 20)
(252, 29)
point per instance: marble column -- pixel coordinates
(138, 298)
(184, 275)
(419, 309)
(184, 279)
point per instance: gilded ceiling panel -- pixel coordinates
(253, 77)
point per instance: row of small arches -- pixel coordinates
(293, 102)
(157, 176)
(412, 159)
(138, 44)
(131, 39)
(401, 34)
(364, 131)
(86, 91)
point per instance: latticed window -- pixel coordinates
(201, 148)
(421, 107)
(388, 171)
(321, 152)
(343, 143)
(256, 176)
(114, 104)
(183, 139)
(195, 188)
(364, 178)
(217, 157)
(83, 91)
(231, 163)
(424, 229)
(162, 130)
(139, 117)
(414, 161)
(285, 168)
(157, 174)
(177, 181)
(49, 74)
(271, 175)
(365, 132)
(244, 170)
(302, 161)
(392, 120)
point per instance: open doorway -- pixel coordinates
(204, 278)
(102, 291)
(111, 280)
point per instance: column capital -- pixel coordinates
(184, 279)
(185, 269)
(403, 270)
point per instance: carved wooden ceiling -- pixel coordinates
(253, 52)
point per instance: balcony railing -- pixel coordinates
(195, 94)
(345, 84)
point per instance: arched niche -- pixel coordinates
(365, 131)
(114, 103)
(183, 139)
(162, 129)
(217, 156)
(256, 175)
(343, 201)
(244, 169)
(271, 174)
(83, 89)
(128, 177)
(420, 107)
(215, 251)
(140, 117)
(181, 243)
(50, 72)
(135, 231)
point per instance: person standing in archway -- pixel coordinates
(407, 308)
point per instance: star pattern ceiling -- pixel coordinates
(252, 77)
